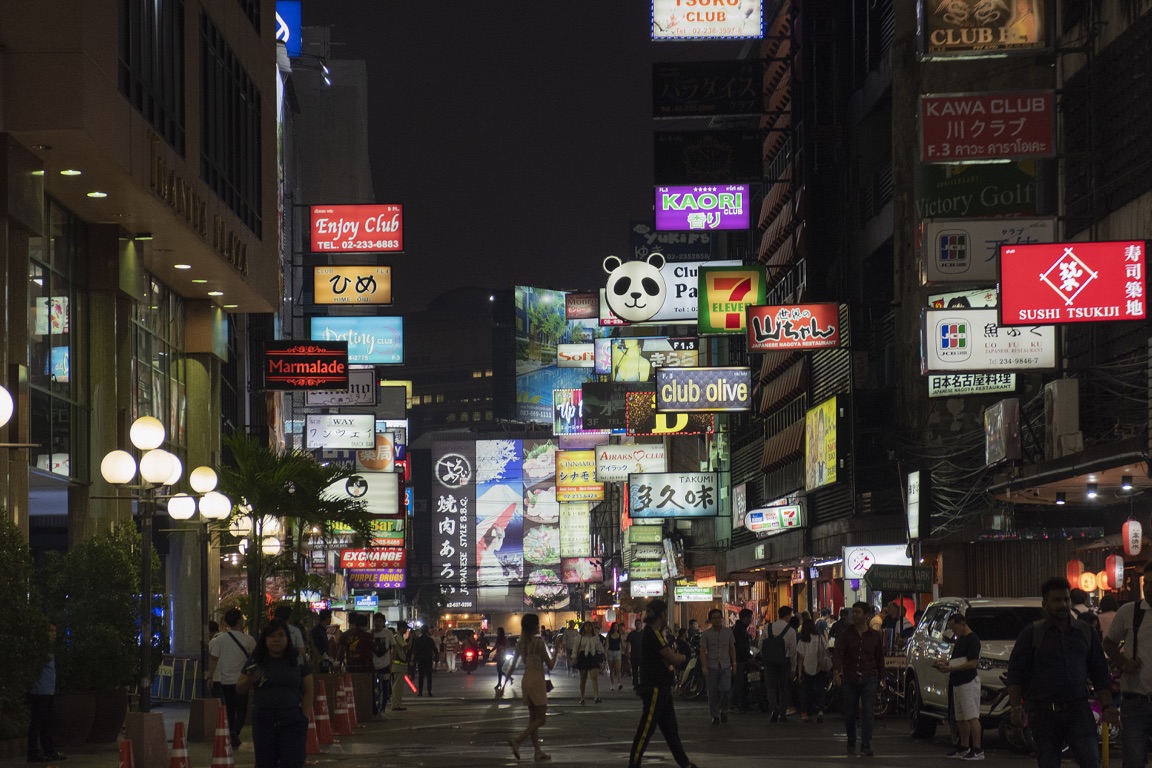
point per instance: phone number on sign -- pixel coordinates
(1015, 361)
(360, 245)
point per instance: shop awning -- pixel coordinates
(783, 387)
(783, 446)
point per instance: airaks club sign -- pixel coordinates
(702, 207)
(305, 365)
(1072, 283)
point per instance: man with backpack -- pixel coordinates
(1127, 651)
(1053, 660)
(778, 654)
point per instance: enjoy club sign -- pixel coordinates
(704, 207)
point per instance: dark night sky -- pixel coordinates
(517, 133)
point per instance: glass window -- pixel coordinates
(158, 338)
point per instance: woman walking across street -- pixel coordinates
(589, 658)
(812, 665)
(282, 702)
(498, 649)
(534, 686)
(615, 657)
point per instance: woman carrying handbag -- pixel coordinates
(534, 685)
(590, 657)
(813, 663)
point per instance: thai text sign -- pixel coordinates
(820, 457)
(361, 390)
(615, 462)
(356, 285)
(673, 494)
(384, 578)
(576, 476)
(334, 431)
(707, 19)
(793, 326)
(1072, 283)
(707, 390)
(303, 365)
(357, 228)
(771, 520)
(968, 250)
(960, 339)
(977, 127)
(972, 29)
(707, 207)
(725, 295)
(642, 419)
(371, 340)
(959, 384)
(373, 559)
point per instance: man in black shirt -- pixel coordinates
(1049, 664)
(634, 652)
(965, 685)
(657, 660)
(743, 654)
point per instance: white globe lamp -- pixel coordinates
(215, 505)
(177, 470)
(6, 406)
(243, 546)
(202, 479)
(156, 466)
(270, 526)
(118, 467)
(147, 433)
(181, 507)
(241, 526)
(270, 546)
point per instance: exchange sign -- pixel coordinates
(702, 207)
(725, 295)
(357, 228)
(793, 326)
(373, 559)
(978, 127)
(357, 285)
(707, 390)
(959, 339)
(673, 494)
(1072, 283)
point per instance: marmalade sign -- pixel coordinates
(306, 365)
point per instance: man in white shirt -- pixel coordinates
(227, 653)
(571, 638)
(778, 652)
(1132, 628)
(718, 660)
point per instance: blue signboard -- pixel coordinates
(288, 23)
(371, 340)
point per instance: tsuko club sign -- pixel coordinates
(357, 228)
(977, 127)
(1072, 283)
(702, 208)
(793, 326)
(373, 559)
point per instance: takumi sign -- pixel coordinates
(357, 228)
(686, 208)
(673, 494)
(373, 559)
(1072, 283)
(795, 326)
(304, 365)
(958, 339)
(977, 127)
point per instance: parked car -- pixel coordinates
(997, 622)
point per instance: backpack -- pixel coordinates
(773, 651)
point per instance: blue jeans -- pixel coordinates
(719, 683)
(1136, 725)
(1074, 726)
(279, 737)
(860, 695)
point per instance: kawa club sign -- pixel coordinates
(978, 127)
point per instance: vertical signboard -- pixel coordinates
(820, 456)
(453, 503)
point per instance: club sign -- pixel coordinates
(702, 207)
(688, 390)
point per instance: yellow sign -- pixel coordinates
(820, 460)
(355, 285)
(576, 477)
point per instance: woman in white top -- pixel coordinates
(812, 665)
(589, 658)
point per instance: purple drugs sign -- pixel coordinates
(702, 207)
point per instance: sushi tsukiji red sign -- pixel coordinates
(373, 559)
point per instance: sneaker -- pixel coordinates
(775, 716)
(865, 750)
(723, 717)
(715, 721)
(958, 752)
(973, 754)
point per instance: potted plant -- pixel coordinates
(24, 636)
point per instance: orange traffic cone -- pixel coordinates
(126, 758)
(222, 747)
(350, 697)
(312, 745)
(179, 757)
(341, 725)
(323, 724)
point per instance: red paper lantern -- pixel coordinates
(1114, 565)
(1073, 572)
(1133, 535)
(1102, 580)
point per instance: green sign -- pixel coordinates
(645, 569)
(646, 534)
(899, 578)
(693, 594)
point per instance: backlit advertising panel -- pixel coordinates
(357, 228)
(696, 20)
(977, 297)
(968, 29)
(725, 295)
(335, 431)
(361, 390)
(568, 412)
(679, 300)
(707, 88)
(602, 351)
(773, 520)
(576, 355)
(976, 191)
(793, 326)
(288, 24)
(703, 390)
(378, 493)
(636, 359)
(576, 529)
(582, 306)
(352, 285)
(643, 239)
(372, 559)
(452, 505)
(371, 340)
(978, 127)
(960, 339)
(305, 365)
(383, 578)
(1072, 283)
(959, 384)
(582, 570)
(702, 207)
(576, 477)
(820, 457)
(968, 250)
(615, 462)
(642, 418)
(603, 404)
(673, 494)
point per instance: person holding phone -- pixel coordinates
(282, 698)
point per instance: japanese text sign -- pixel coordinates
(304, 365)
(772, 520)
(707, 390)
(702, 207)
(576, 476)
(959, 384)
(575, 529)
(452, 504)
(340, 431)
(383, 578)
(642, 419)
(968, 250)
(371, 340)
(361, 390)
(355, 285)
(615, 462)
(978, 127)
(373, 559)
(973, 29)
(357, 228)
(793, 326)
(959, 339)
(1072, 283)
(581, 306)
(707, 88)
(673, 494)
(707, 19)
(636, 359)
(725, 295)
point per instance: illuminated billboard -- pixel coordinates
(820, 456)
(982, 127)
(361, 390)
(959, 384)
(576, 355)
(701, 20)
(959, 339)
(615, 462)
(968, 250)
(335, 431)
(371, 340)
(304, 365)
(357, 228)
(674, 494)
(707, 390)
(725, 295)
(354, 286)
(636, 359)
(576, 477)
(967, 29)
(702, 207)
(642, 418)
(793, 326)
(674, 298)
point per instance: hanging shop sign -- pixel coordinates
(576, 529)
(821, 459)
(707, 20)
(857, 560)
(568, 412)
(615, 462)
(576, 477)
(701, 157)
(918, 503)
(646, 569)
(668, 291)
(793, 326)
(960, 339)
(383, 578)
(357, 228)
(305, 365)
(692, 594)
(575, 355)
(959, 384)
(968, 250)
(377, 493)
(373, 559)
(703, 390)
(354, 285)
(645, 534)
(581, 306)
(707, 88)
(581, 570)
(604, 403)
(647, 588)
(643, 239)
(772, 520)
(739, 504)
(979, 127)
(1072, 283)
(975, 30)
(361, 390)
(702, 207)
(289, 18)
(673, 494)
(371, 340)
(642, 419)
(334, 431)
(635, 359)
(1002, 431)
(726, 293)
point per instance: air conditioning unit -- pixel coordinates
(1062, 435)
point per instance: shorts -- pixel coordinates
(615, 655)
(966, 701)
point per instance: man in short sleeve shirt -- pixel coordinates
(1135, 662)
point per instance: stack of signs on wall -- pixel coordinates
(577, 564)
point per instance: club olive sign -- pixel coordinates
(688, 390)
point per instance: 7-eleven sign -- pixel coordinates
(725, 295)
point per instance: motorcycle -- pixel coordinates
(691, 683)
(469, 660)
(755, 690)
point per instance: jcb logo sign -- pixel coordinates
(725, 295)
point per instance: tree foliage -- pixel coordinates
(24, 635)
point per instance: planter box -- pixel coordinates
(202, 716)
(13, 748)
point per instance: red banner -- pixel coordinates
(357, 228)
(1072, 283)
(793, 326)
(373, 559)
(968, 127)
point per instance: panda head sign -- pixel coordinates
(636, 289)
